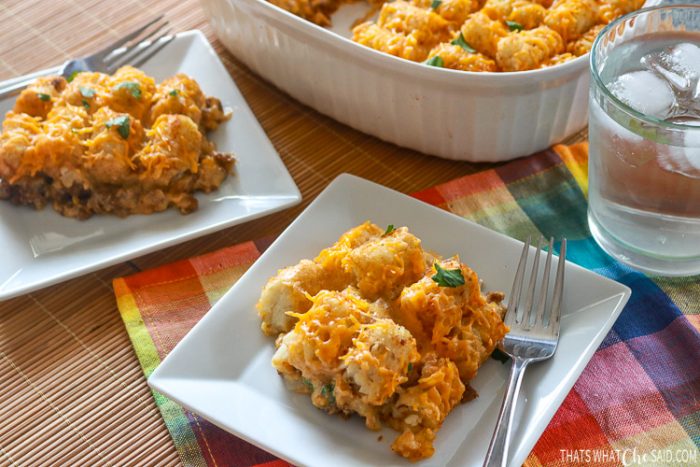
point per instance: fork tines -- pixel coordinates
(137, 46)
(534, 312)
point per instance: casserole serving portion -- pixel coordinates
(476, 116)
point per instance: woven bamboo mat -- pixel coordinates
(71, 390)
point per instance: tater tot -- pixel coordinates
(392, 43)
(173, 148)
(528, 14)
(378, 359)
(88, 90)
(571, 18)
(288, 291)
(482, 33)
(317, 12)
(527, 50)
(37, 99)
(584, 43)
(402, 17)
(108, 159)
(18, 132)
(178, 94)
(456, 58)
(132, 91)
(454, 11)
(611, 9)
(497, 9)
(383, 266)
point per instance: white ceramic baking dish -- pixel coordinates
(447, 113)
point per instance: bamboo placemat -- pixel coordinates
(71, 390)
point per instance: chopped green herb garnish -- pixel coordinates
(514, 26)
(43, 97)
(133, 87)
(308, 384)
(173, 92)
(390, 228)
(327, 392)
(499, 355)
(436, 4)
(410, 367)
(86, 92)
(122, 123)
(435, 61)
(448, 277)
(463, 44)
(86, 104)
(72, 76)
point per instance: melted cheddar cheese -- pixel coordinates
(497, 35)
(118, 144)
(365, 328)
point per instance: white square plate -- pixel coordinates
(42, 247)
(221, 369)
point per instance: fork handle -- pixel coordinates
(13, 86)
(497, 455)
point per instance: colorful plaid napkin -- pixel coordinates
(636, 403)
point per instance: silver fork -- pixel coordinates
(532, 338)
(133, 48)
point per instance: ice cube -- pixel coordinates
(680, 66)
(684, 159)
(684, 58)
(645, 92)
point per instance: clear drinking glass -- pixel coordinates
(644, 140)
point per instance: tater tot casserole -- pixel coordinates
(377, 326)
(119, 144)
(476, 35)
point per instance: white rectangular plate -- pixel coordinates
(42, 247)
(221, 369)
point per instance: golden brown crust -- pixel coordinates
(612, 9)
(583, 44)
(571, 18)
(529, 49)
(483, 34)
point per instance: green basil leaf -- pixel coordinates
(463, 44)
(86, 92)
(514, 26)
(390, 228)
(436, 4)
(86, 104)
(43, 97)
(133, 87)
(307, 383)
(122, 124)
(173, 92)
(327, 392)
(448, 277)
(410, 367)
(72, 76)
(436, 61)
